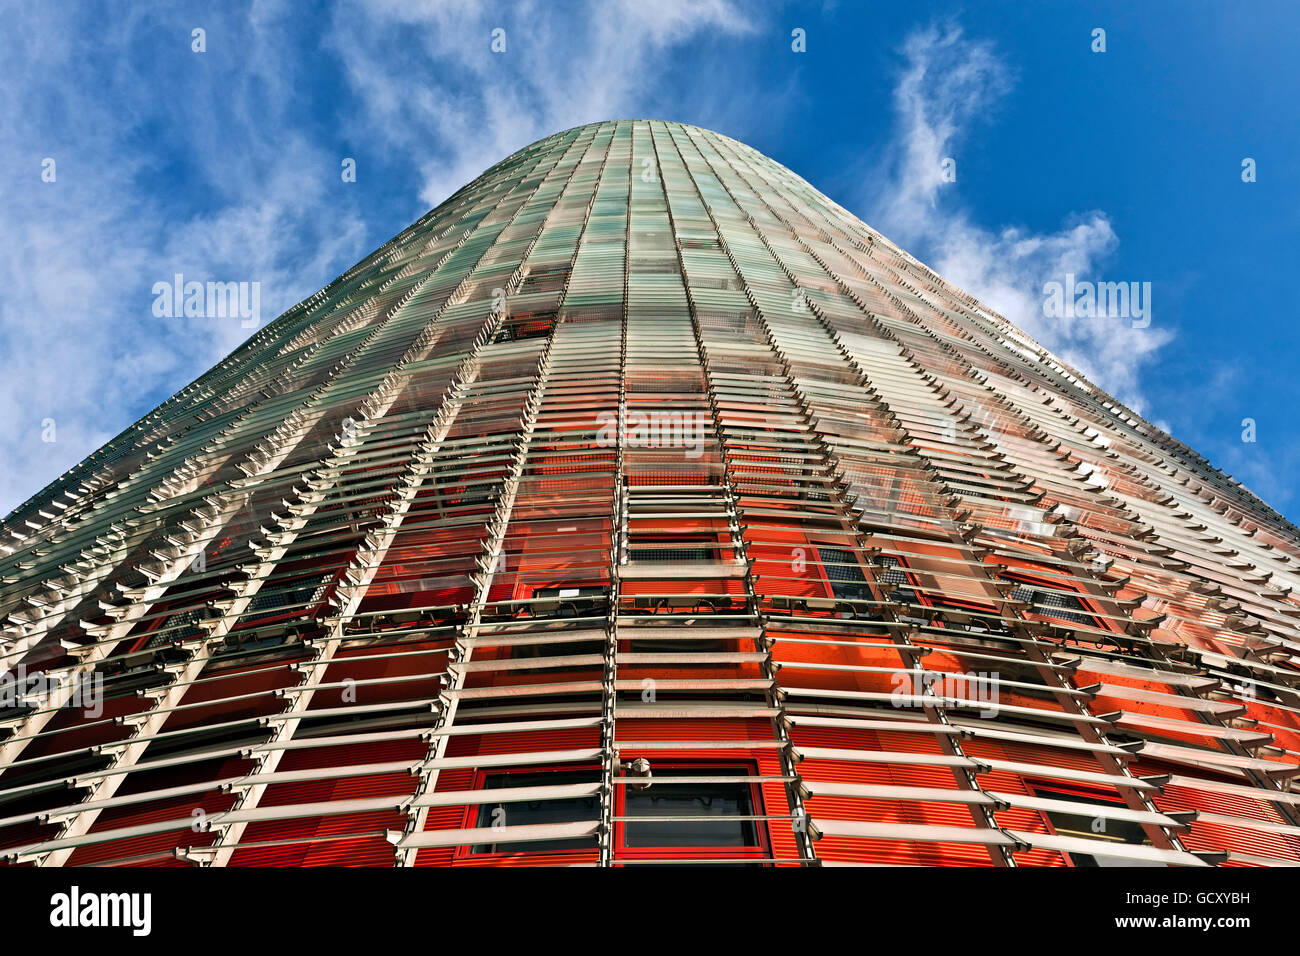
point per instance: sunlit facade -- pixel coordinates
(639, 505)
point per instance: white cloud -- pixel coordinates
(129, 112)
(78, 341)
(457, 108)
(947, 85)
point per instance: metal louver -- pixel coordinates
(622, 519)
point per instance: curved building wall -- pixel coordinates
(640, 505)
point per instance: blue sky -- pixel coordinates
(225, 166)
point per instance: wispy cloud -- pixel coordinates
(607, 59)
(80, 348)
(224, 166)
(948, 84)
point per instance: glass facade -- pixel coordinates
(640, 505)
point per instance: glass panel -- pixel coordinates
(570, 810)
(713, 808)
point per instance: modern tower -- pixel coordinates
(640, 505)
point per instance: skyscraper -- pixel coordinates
(641, 505)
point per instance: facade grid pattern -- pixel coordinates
(639, 505)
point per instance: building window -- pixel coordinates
(684, 547)
(844, 574)
(673, 555)
(905, 582)
(530, 813)
(708, 817)
(527, 326)
(1094, 828)
(897, 580)
(575, 601)
(1050, 603)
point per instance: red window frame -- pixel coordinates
(763, 851)
(470, 819)
(1068, 791)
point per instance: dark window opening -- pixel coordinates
(706, 819)
(1048, 603)
(581, 601)
(519, 327)
(675, 555)
(534, 812)
(269, 605)
(682, 548)
(1094, 828)
(897, 580)
(844, 574)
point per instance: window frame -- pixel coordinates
(469, 821)
(1057, 790)
(762, 851)
(1026, 578)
